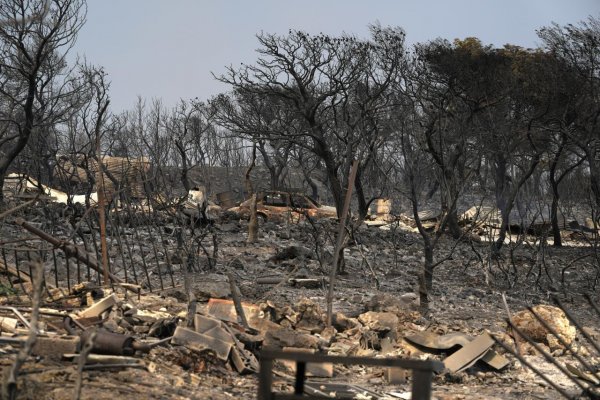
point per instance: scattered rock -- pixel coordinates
(292, 252)
(212, 289)
(384, 302)
(554, 317)
(343, 323)
(237, 264)
(310, 316)
(231, 227)
(284, 337)
(379, 321)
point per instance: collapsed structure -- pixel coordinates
(120, 175)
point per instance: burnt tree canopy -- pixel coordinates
(36, 87)
(332, 93)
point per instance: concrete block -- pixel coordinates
(55, 346)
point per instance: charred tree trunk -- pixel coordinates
(24, 134)
(363, 205)
(506, 195)
(594, 176)
(275, 172)
(453, 225)
(500, 183)
(311, 182)
(7, 159)
(449, 195)
(333, 180)
(434, 188)
(555, 197)
(253, 224)
(505, 219)
(275, 184)
(314, 189)
(449, 166)
(247, 181)
(185, 181)
(554, 184)
(554, 218)
(426, 276)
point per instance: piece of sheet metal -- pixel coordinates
(469, 354)
(435, 342)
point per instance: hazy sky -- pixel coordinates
(168, 48)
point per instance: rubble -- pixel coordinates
(310, 317)
(286, 337)
(452, 342)
(198, 341)
(215, 331)
(379, 321)
(213, 289)
(225, 310)
(321, 370)
(99, 307)
(152, 338)
(434, 341)
(343, 323)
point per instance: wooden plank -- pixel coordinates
(96, 309)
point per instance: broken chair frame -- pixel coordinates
(423, 371)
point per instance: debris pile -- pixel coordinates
(146, 327)
(122, 332)
(105, 330)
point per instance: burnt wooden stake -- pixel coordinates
(237, 301)
(191, 311)
(253, 223)
(340, 241)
